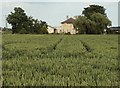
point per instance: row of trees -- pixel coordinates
(21, 23)
(93, 21)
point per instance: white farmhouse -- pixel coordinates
(67, 26)
(51, 29)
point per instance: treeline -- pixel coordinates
(23, 24)
(93, 21)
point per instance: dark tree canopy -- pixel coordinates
(88, 11)
(84, 25)
(94, 20)
(17, 19)
(101, 22)
(23, 24)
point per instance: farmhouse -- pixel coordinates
(51, 29)
(67, 26)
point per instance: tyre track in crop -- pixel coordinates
(49, 50)
(38, 52)
(87, 47)
(55, 45)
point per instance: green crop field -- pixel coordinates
(60, 60)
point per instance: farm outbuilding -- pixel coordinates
(114, 30)
(51, 29)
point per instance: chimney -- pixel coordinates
(67, 17)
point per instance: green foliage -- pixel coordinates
(23, 24)
(7, 30)
(94, 20)
(80, 24)
(101, 22)
(88, 11)
(84, 25)
(16, 19)
(60, 60)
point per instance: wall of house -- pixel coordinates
(68, 28)
(50, 30)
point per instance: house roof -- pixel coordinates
(51, 27)
(70, 20)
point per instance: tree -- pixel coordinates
(84, 25)
(17, 19)
(44, 26)
(40, 27)
(79, 24)
(23, 24)
(101, 22)
(93, 9)
(98, 20)
(90, 27)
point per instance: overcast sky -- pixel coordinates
(54, 12)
